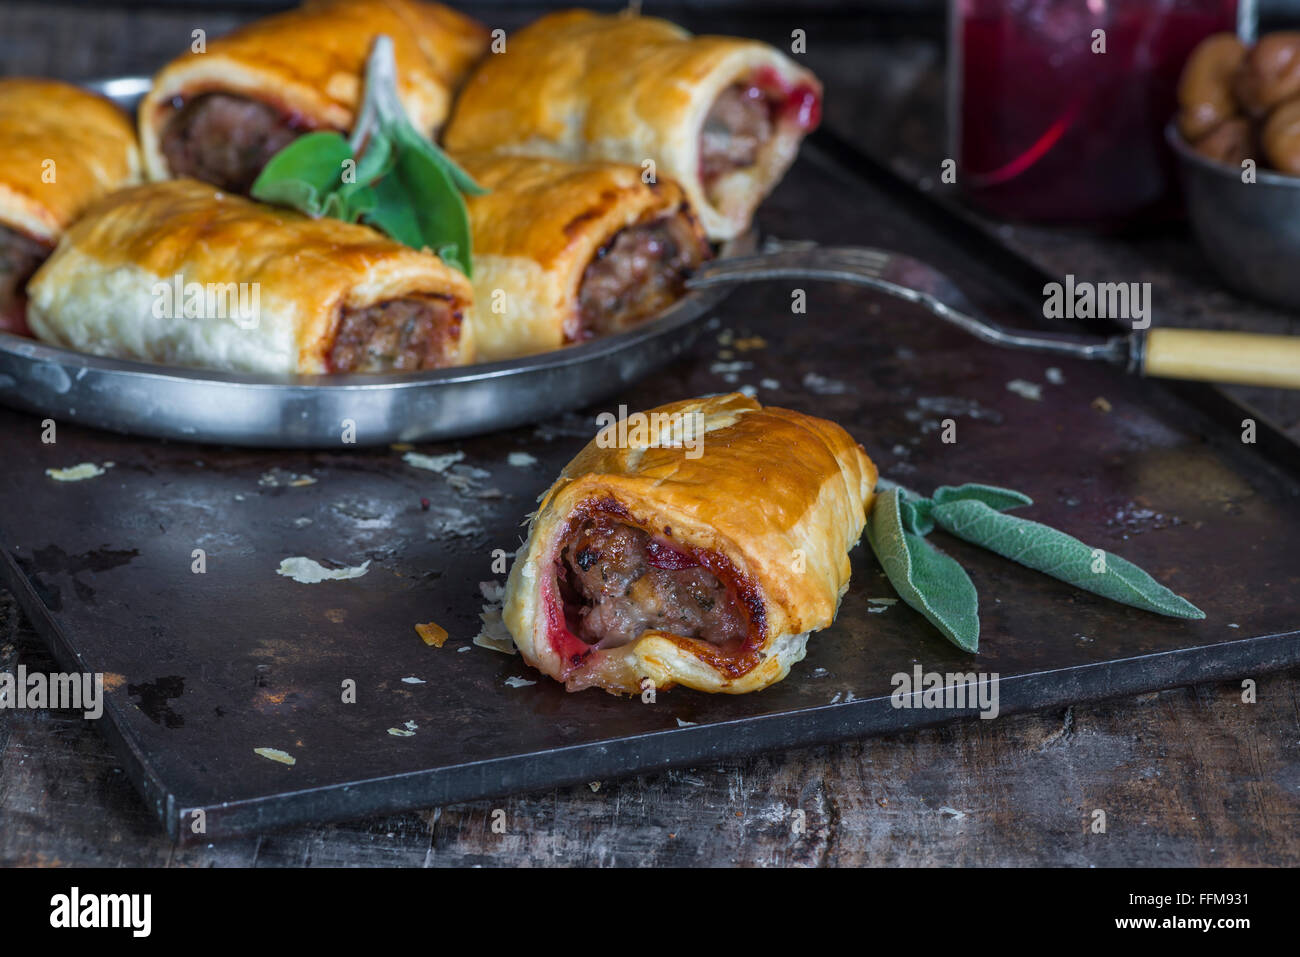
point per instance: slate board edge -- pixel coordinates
(626, 757)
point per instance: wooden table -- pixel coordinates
(1189, 776)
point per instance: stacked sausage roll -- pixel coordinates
(62, 149)
(221, 114)
(722, 116)
(683, 551)
(565, 252)
(182, 273)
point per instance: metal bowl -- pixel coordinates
(1250, 232)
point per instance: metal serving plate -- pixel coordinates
(201, 405)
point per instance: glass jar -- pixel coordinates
(1057, 107)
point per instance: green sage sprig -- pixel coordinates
(935, 585)
(386, 175)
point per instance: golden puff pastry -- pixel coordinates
(61, 148)
(722, 116)
(696, 544)
(221, 114)
(180, 273)
(565, 252)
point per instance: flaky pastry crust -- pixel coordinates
(577, 85)
(536, 232)
(310, 63)
(99, 291)
(780, 495)
(61, 148)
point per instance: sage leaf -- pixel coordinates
(303, 173)
(1062, 556)
(417, 204)
(915, 509)
(925, 578)
(410, 138)
(402, 183)
(991, 495)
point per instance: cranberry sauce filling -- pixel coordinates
(225, 139)
(400, 335)
(744, 117)
(614, 581)
(637, 274)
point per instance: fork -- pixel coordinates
(1207, 355)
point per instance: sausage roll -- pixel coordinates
(565, 252)
(181, 273)
(722, 116)
(220, 115)
(62, 149)
(696, 544)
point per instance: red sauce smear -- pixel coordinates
(662, 555)
(799, 104)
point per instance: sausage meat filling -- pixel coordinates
(639, 273)
(744, 119)
(225, 140)
(20, 256)
(400, 335)
(736, 128)
(617, 582)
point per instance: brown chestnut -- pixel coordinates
(1231, 141)
(1280, 137)
(1205, 97)
(1269, 73)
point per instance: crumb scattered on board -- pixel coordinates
(431, 634)
(494, 634)
(1026, 390)
(277, 478)
(877, 605)
(79, 473)
(432, 463)
(1055, 376)
(521, 460)
(820, 385)
(275, 754)
(515, 682)
(310, 572)
(1101, 404)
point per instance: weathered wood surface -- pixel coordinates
(1190, 776)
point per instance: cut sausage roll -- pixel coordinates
(61, 148)
(722, 116)
(181, 273)
(220, 115)
(566, 252)
(696, 544)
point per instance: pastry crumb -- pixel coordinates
(308, 571)
(78, 473)
(432, 463)
(275, 754)
(431, 634)
(1026, 390)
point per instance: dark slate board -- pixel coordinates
(209, 667)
